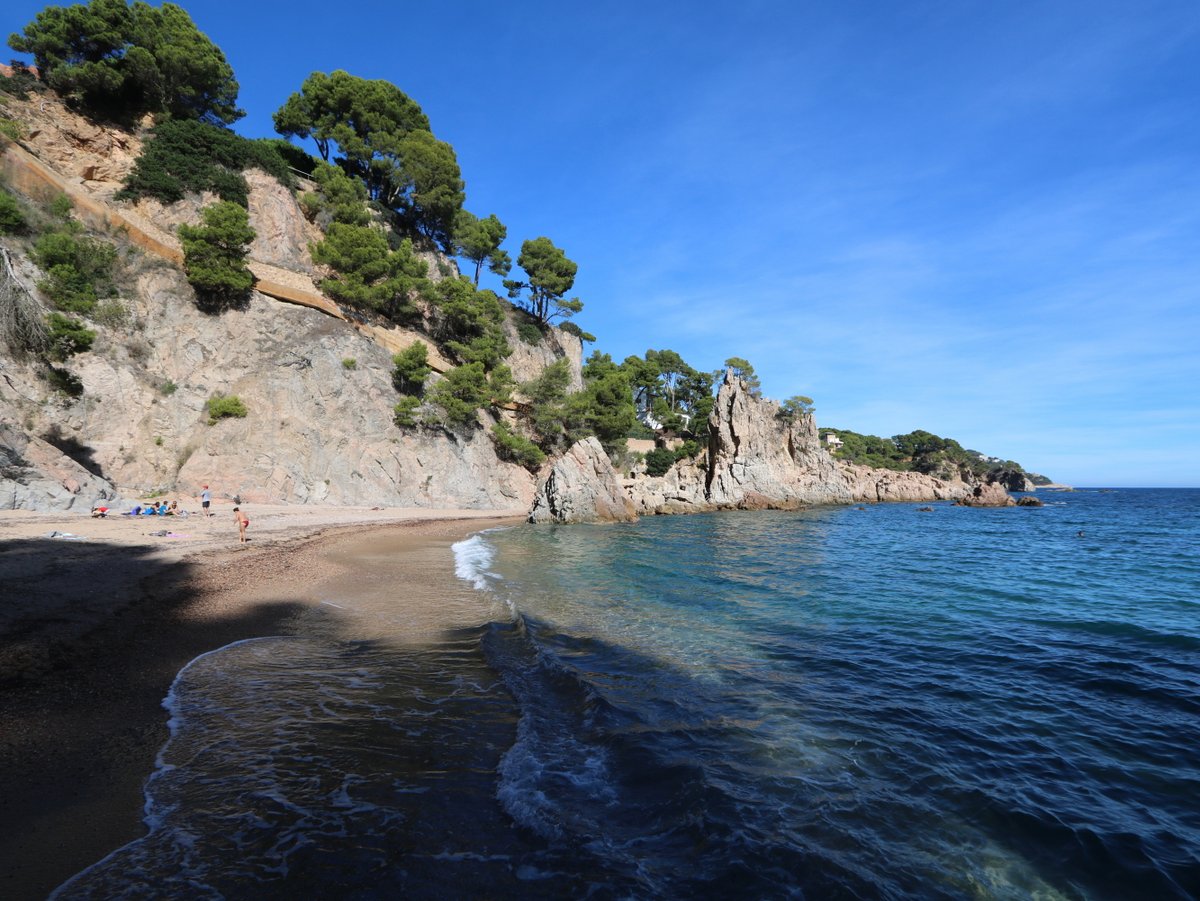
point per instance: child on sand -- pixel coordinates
(242, 520)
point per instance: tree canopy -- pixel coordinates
(743, 370)
(479, 240)
(550, 276)
(383, 139)
(677, 395)
(119, 61)
(368, 272)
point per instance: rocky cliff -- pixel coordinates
(316, 384)
(757, 458)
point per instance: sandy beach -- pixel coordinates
(93, 631)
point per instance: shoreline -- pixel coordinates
(94, 632)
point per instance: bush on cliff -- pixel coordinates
(68, 336)
(466, 389)
(517, 448)
(411, 369)
(658, 461)
(368, 273)
(224, 406)
(186, 157)
(78, 268)
(12, 217)
(214, 255)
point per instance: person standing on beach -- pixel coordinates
(205, 499)
(242, 520)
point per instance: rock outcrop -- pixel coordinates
(1011, 479)
(989, 494)
(582, 486)
(757, 459)
(35, 475)
(885, 485)
(317, 386)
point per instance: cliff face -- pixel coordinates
(317, 431)
(319, 428)
(758, 459)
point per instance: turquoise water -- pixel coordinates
(867, 702)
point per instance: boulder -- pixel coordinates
(989, 494)
(36, 475)
(582, 486)
(1029, 501)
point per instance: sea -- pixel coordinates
(890, 701)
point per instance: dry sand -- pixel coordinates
(93, 632)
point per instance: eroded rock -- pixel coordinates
(582, 486)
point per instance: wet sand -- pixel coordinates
(93, 632)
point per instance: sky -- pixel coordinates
(980, 219)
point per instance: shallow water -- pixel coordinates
(835, 703)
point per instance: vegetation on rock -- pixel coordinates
(12, 217)
(367, 272)
(78, 268)
(479, 240)
(677, 396)
(516, 447)
(411, 369)
(214, 254)
(186, 157)
(918, 451)
(68, 336)
(121, 62)
(385, 141)
(658, 461)
(225, 406)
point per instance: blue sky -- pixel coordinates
(975, 218)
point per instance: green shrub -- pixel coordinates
(64, 381)
(223, 406)
(111, 313)
(68, 336)
(658, 461)
(349, 363)
(168, 388)
(686, 450)
(21, 82)
(11, 129)
(572, 329)
(369, 273)
(517, 448)
(460, 394)
(12, 217)
(60, 207)
(529, 332)
(412, 368)
(78, 268)
(405, 412)
(214, 254)
(184, 157)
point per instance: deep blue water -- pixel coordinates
(850, 702)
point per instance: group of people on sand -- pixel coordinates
(162, 508)
(171, 508)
